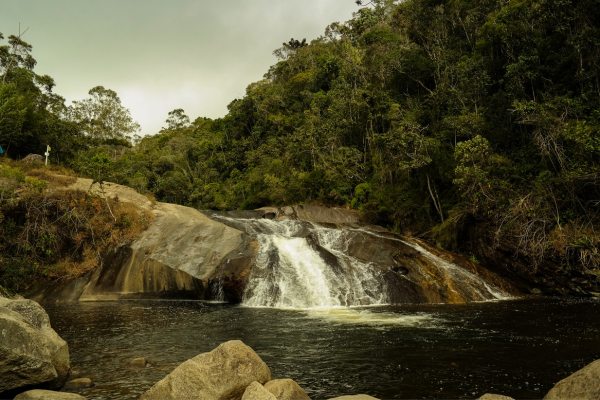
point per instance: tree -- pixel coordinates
(177, 119)
(31, 116)
(102, 116)
(15, 55)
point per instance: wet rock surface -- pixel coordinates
(31, 352)
(186, 254)
(138, 363)
(78, 384)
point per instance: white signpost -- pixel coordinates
(47, 153)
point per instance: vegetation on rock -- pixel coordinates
(54, 233)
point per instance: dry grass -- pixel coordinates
(56, 234)
(51, 177)
(151, 197)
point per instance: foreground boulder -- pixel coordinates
(256, 391)
(223, 373)
(48, 395)
(31, 352)
(490, 396)
(286, 389)
(582, 385)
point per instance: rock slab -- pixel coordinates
(355, 397)
(31, 352)
(48, 395)
(223, 373)
(582, 385)
(256, 391)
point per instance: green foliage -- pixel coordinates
(416, 113)
(102, 117)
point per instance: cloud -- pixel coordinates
(158, 55)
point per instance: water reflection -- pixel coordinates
(517, 348)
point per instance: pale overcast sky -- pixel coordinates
(160, 55)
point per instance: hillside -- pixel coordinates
(473, 124)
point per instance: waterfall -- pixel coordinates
(304, 265)
(292, 273)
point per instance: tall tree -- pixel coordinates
(102, 116)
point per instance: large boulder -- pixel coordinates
(286, 389)
(582, 385)
(256, 391)
(31, 352)
(38, 394)
(223, 373)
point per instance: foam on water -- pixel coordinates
(354, 316)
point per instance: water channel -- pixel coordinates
(519, 348)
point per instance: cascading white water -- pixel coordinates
(292, 273)
(302, 265)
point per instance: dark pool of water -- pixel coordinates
(518, 348)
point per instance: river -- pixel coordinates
(519, 348)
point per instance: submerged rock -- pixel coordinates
(223, 373)
(138, 363)
(355, 397)
(31, 352)
(48, 395)
(286, 389)
(583, 384)
(78, 384)
(256, 391)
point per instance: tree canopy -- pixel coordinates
(426, 116)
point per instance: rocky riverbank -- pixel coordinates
(188, 254)
(231, 371)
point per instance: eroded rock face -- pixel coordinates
(583, 384)
(217, 255)
(223, 373)
(31, 352)
(176, 257)
(286, 389)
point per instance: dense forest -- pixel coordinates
(422, 115)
